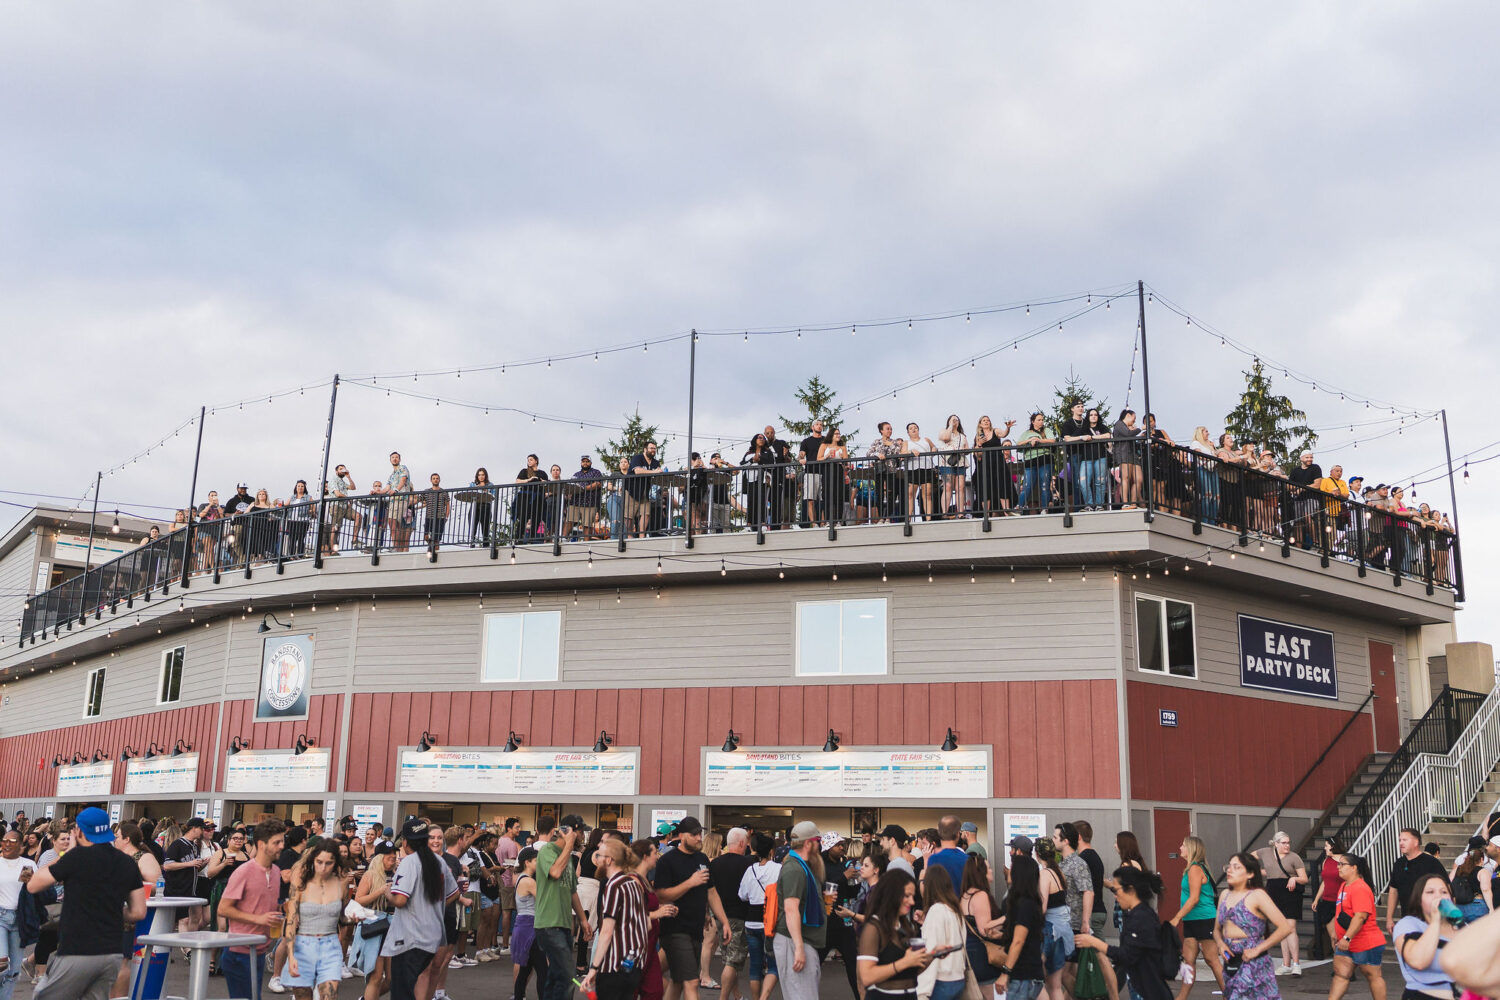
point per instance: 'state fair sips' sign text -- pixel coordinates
(1294, 659)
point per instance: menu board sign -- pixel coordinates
(162, 775)
(529, 773)
(277, 772)
(911, 774)
(77, 780)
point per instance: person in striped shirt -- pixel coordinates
(624, 926)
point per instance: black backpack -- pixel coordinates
(1466, 889)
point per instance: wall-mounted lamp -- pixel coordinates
(731, 742)
(512, 744)
(153, 750)
(951, 743)
(304, 743)
(181, 747)
(77, 758)
(126, 753)
(57, 760)
(99, 755)
(832, 743)
(237, 744)
(264, 628)
(427, 742)
(603, 742)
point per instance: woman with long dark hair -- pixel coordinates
(422, 884)
(1022, 937)
(954, 467)
(299, 518)
(1057, 923)
(1138, 954)
(756, 479)
(1422, 934)
(945, 976)
(484, 503)
(1245, 912)
(982, 919)
(1128, 848)
(888, 964)
(1036, 461)
(651, 986)
(312, 924)
(1327, 899)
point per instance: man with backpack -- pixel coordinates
(801, 924)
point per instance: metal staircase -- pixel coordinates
(1435, 788)
(1452, 837)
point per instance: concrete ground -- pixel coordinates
(492, 981)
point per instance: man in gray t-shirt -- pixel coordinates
(417, 930)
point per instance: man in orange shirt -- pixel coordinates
(1333, 484)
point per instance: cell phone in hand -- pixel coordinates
(946, 951)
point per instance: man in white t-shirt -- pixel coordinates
(12, 864)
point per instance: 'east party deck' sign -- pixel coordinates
(1293, 659)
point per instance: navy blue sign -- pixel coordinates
(1168, 717)
(1293, 659)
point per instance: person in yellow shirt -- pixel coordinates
(1333, 484)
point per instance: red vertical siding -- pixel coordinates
(1203, 758)
(1027, 724)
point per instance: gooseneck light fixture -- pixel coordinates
(512, 744)
(731, 742)
(237, 744)
(951, 743)
(304, 743)
(427, 742)
(832, 743)
(604, 742)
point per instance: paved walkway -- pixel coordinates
(492, 981)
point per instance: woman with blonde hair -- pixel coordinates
(1196, 914)
(1205, 462)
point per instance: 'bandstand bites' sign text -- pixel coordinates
(526, 773)
(914, 774)
(162, 775)
(1294, 659)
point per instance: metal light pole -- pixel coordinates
(692, 384)
(333, 399)
(1140, 295)
(98, 479)
(192, 507)
(1458, 561)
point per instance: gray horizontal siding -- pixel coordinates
(16, 581)
(1215, 619)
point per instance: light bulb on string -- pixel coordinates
(929, 572)
(780, 572)
(882, 573)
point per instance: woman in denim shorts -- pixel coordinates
(313, 909)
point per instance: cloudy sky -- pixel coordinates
(202, 204)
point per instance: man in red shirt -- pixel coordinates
(251, 904)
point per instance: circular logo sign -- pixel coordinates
(285, 676)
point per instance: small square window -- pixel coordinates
(837, 638)
(170, 688)
(1164, 636)
(94, 697)
(522, 647)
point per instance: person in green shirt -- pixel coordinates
(1037, 462)
(802, 924)
(557, 900)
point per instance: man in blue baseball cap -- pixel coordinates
(104, 891)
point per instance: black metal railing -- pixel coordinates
(760, 494)
(1435, 732)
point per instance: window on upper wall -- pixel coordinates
(523, 647)
(94, 698)
(170, 688)
(1164, 636)
(841, 637)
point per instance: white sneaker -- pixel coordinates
(502, 950)
(275, 985)
(440, 995)
(453, 963)
(467, 961)
(1282, 970)
(348, 972)
(485, 956)
(1296, 968)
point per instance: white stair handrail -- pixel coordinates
(1436, 785)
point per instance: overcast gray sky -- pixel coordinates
(206, 203)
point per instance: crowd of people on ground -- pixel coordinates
(909, 917)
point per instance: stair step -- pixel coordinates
(1456, 829)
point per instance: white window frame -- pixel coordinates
(484, 649)
(89, 701)
(841, 672)
(161, 678)
(1161, 627)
